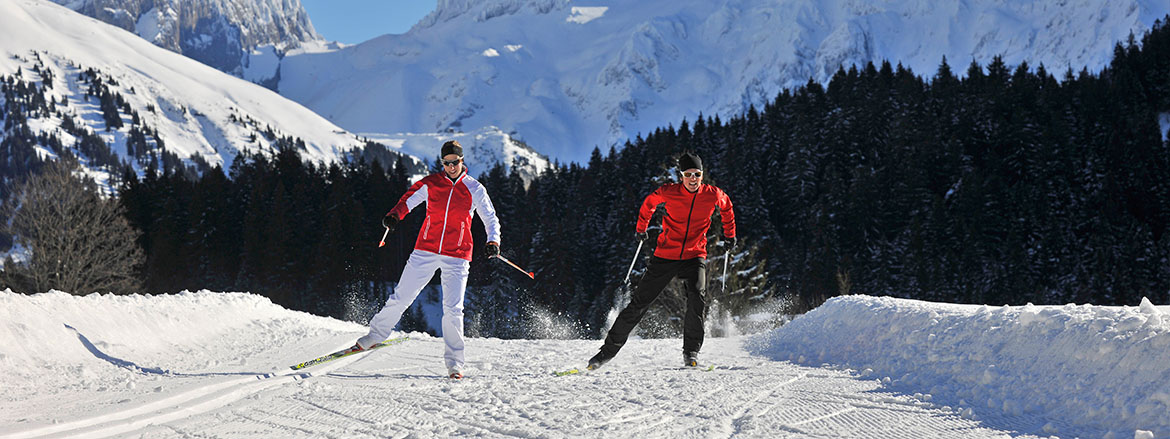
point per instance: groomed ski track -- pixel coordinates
(400, 391)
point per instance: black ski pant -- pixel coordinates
(660, 272)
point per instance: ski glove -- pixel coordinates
(390, 221)
(641, 236)
(730, 241)
(493, 249)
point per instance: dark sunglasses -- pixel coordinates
(451, 163)
(693, 174)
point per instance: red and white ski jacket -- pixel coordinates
(686, 220)
(447, 227)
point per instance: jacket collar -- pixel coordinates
(443, 175)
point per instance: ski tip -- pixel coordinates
(382, 244)
(532, 275)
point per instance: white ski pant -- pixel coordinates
(419, 269)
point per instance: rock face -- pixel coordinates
(219, 33)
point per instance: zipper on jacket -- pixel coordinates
(443, 231)
(427, 228)
(687, 231)
(461, 227)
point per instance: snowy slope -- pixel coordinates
(566, 76)
(196, 109)
(213, 365)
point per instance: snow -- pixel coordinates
(1089, 367)
(215, 365)
(261, 64)
(197, 110)
(594, 73)
(481, 149)
(585, 14)
(148, 25)
(1164, 124)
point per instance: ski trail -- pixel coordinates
(733, 424)
(823, 417)
(182, 405)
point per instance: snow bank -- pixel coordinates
(69, 337)
(1100, 368)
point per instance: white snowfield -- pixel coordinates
(216, 365)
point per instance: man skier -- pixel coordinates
(681, 252)
(444, 243)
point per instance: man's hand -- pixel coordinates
(493, 249)
(390, 221)
(641, 236)
(730, 242)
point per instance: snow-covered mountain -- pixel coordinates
(219, 33)
(216, 365)
(566, 76)
(166, 103)
(190, 109)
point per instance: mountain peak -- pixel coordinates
(568, 77)
(218, 33)
(481, 10)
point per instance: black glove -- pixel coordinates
(390, 221)
(641, 236)
(493, 249)
(730, 242)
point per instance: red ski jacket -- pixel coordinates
(688, 216)
(447, 227)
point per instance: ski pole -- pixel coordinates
(383, 241)
(726, 258)
(529, 273)
(636, 252)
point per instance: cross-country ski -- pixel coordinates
(345, 353)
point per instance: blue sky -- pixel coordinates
(355, 21)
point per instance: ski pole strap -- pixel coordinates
(636, 252)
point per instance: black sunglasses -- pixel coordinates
(451, 163)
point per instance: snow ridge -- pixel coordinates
(1092, 367)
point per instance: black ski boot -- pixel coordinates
(690, 359)
(598, 360)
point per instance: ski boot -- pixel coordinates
(357, 347)
(598, 360)
(690, 359)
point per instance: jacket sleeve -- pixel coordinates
(649, 205)
(412, 198)
(487, 213)
(726, 213)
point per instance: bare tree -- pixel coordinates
(77, 241)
